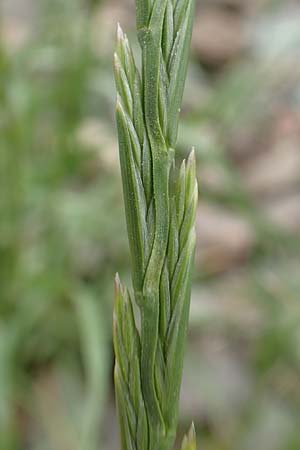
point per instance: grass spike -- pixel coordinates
(160, 218)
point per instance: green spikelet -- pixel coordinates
(189, 441)
(160, 205)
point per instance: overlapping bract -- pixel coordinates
(175, 35)
(133, 420)
(160, 206)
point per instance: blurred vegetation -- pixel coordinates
(62, 231)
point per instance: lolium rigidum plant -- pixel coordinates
(150, 323)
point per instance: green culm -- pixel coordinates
(150, 323)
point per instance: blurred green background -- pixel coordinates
(63, 236)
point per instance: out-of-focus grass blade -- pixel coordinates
(95, 352)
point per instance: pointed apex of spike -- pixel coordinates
(192, 157)
(192, 434)
(117, 284)
(120, 292)
(120, 34)
(189, 441)
(118, 296)
(183, 167)
(191, 172)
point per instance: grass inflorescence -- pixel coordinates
(160, 204)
